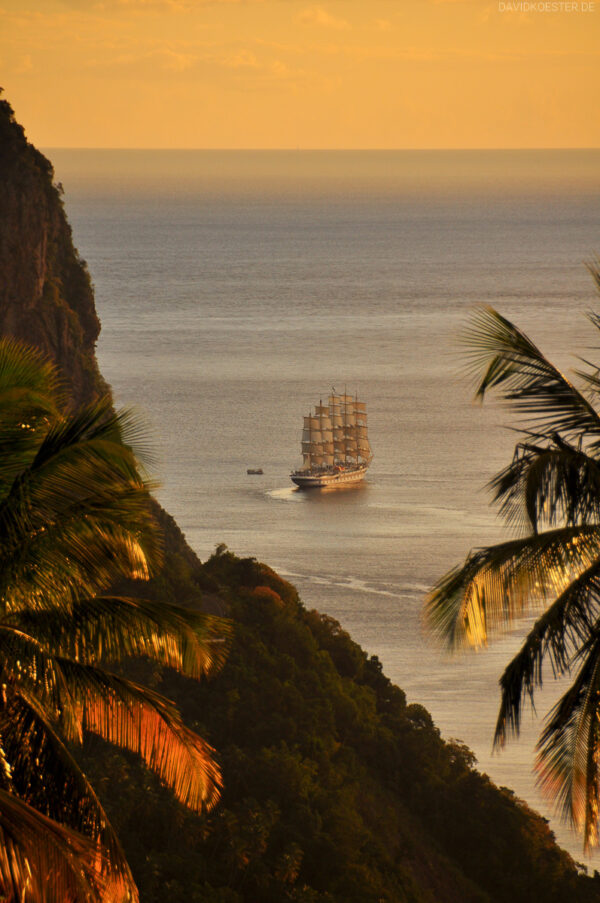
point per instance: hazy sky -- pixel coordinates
(298, 73)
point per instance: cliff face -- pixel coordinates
(46, 297)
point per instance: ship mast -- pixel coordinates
(363, 448)
(345, 426)
(336, 433)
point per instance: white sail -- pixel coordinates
(335, 444)
(312, 448)
(311, 423)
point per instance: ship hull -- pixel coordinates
(323, 480)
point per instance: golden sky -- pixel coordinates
(298, 73)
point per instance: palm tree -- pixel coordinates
(550, 494)
(74, 518)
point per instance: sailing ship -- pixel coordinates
(335, 444)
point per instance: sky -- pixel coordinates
(303, 74)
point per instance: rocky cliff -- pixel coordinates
(46, 295)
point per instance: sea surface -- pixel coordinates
(236, 288)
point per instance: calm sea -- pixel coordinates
(235, 288)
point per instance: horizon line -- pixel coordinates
(54, 147)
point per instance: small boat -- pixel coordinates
(335, 444)
(253, 471)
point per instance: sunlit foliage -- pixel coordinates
(75, 517)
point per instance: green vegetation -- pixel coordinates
(335, 789)
(74, 517)
(550, 492)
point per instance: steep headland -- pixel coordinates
(336, 790)
(46, 295)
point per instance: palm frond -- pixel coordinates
(593, 267)
(45, 775)
(27, 664)
(111, 442)
(568, 759)
(548, 485)
(75, 515)
(78, 516)
(499, 354)
(84, 550)
(500, 583)
(80, 460)
(110, 629)
(30, 397)
(557, 635)
(25, 370)
(42, 861)
(135, 718)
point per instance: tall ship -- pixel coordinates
(335, 444)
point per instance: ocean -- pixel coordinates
(236, 288)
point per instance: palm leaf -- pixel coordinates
(28, 378)
(548, 485)
(27, 664)
(112, 628)
(45, 775)
(557, 635)
(551, 490)
(30, 396)
(136, 718)
(569, 749)
(84, 550)
(499, 354)
(78, 516)
(109, 441)
(75, 515)
(593, 267)
(500, 583)
(43, 862)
